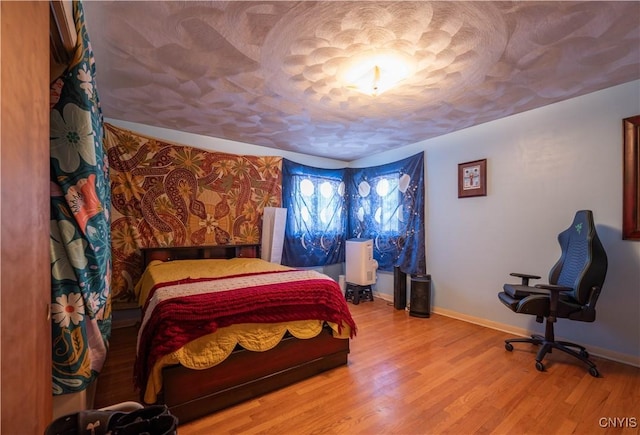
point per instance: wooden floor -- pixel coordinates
(409, 375)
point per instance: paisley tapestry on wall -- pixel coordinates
(165, 194)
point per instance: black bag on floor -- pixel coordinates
(152, 420)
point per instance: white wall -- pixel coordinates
(543, 165)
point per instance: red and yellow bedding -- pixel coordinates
(196, 311)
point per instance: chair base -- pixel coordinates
(546, 346)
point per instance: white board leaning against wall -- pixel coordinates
(273, 222)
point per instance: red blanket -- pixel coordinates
(174, 321)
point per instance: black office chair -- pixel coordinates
(575, 282)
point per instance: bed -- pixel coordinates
(220, 326)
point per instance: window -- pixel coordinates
(379, 201)
(316, 218)
(320, 201)
(389, 211)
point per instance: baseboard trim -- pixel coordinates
(593, 350)
(623, 358)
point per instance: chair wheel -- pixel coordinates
(508, 346)
(594, 372)
(539, 366)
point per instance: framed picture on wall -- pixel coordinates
(472, 178)
(631, 179)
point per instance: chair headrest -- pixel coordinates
(583, 263)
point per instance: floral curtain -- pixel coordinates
(316, 221)
(80, 234)
(386, 204)
(165, 194)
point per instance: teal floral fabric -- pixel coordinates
(80, 238)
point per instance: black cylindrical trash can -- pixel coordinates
(399, 289)
(420, 305)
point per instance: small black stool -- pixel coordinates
(355, 293)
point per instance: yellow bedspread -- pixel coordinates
(210, 350)
(165, 271)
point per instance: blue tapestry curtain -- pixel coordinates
(316, 218)
(80, 238)
(386, 204)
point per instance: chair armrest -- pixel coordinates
(587, 312)
(554, 296)
(525, 277)
(554, 288)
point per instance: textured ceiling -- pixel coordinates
(268, 73)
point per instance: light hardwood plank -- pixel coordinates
(409, 375)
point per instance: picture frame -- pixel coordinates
(631, 179)
(472, 178)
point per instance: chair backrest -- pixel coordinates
(583, 263)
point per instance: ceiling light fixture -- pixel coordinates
(377, 74)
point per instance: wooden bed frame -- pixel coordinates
(191, 394)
